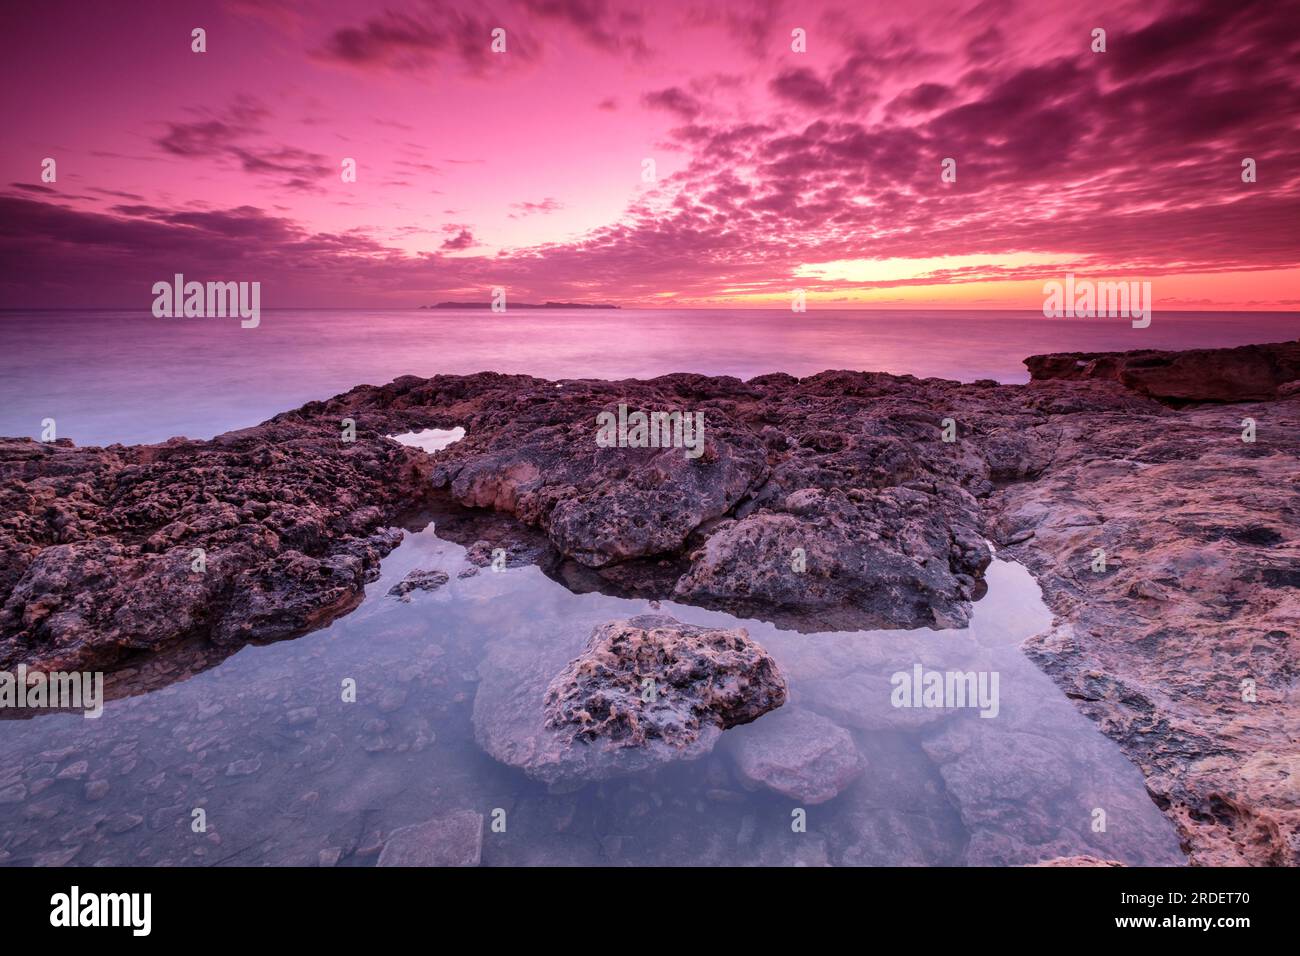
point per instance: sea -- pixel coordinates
(129, 377)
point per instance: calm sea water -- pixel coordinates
(129, 377)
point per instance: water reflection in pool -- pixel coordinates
(286, 772)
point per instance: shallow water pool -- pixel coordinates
(286, 772)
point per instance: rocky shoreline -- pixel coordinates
(829, 502)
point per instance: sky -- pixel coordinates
(665, 154)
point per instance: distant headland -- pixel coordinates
(520, 305)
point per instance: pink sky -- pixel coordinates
(775, 170)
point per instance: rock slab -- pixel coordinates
(798, 754)
(455, 840)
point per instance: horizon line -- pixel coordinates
(581, 307)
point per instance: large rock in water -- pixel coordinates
(745, 566)
(598, 717)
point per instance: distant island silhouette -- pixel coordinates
(519, 305)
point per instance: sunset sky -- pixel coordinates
(775, 170)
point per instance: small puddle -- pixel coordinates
(430, 439)
(286, 772)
